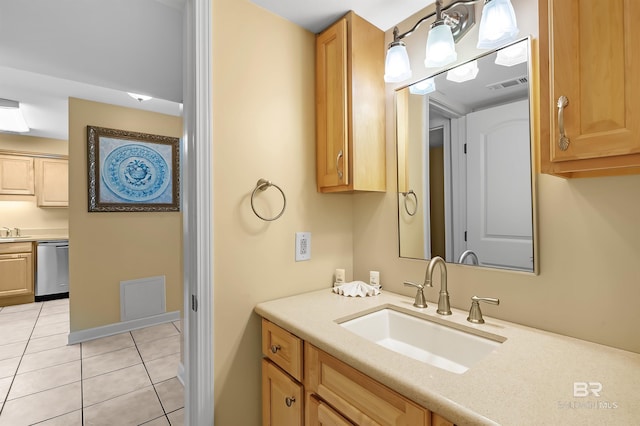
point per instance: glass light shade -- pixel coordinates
(498, 24)
(11, 120)
(441, 50)
(464, 72)
(512, 55)
(396, 65)
(423, 87)
(138, 97)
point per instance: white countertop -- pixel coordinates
(529, 379)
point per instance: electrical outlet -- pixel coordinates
(303, 246)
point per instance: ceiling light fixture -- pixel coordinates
(451, 24)
(11, 119)
(138, 97)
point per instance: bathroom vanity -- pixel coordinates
(319, 372)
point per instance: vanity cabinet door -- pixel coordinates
(350, 111)
(16, 175)
(589, 54)
(282, 397)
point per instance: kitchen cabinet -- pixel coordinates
(336, 393)
(16, 273)
(350, 109)
(593, 61)
(16, 175)
(52, 182)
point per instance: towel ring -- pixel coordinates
(262, 185)
(406, 207)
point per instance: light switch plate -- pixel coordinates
(303, 246)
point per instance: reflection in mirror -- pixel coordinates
(465, 163)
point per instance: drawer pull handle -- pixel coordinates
(289, 401)
(275, 348)
(563, 141)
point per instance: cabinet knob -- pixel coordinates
(275, 348)
(289, 401)
(563, 140)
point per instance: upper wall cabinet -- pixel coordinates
(350, 107)
(590, 87)
(52, 182)
(16, 175)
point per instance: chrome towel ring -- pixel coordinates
(262, 185)
(406, 207)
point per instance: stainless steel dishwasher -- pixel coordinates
(52, 270)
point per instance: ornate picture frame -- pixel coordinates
(132, 172)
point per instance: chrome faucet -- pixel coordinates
(443, 300)
(470, 254)
(8, 233)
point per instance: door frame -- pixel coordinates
(197, 211)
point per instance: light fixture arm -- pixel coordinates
(439, 13)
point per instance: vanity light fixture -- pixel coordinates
(423, 87)
(138, 97)
(452, 22)
(11, 119)
(497, 27)
(498, 24)
(464, 72)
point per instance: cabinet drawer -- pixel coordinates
(281, 397)
(21, 247)
(360, 398)
(283, 348)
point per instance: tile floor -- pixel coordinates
(126, 379)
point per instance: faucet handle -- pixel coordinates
(419, 301)
(475, 314)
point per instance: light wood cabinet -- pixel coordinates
(321, 414)
(357, 396)
(350, 110)
(52, 182)
(282, 397)
(327, 392)
(16, 273)
(589, 54)
(16, 175)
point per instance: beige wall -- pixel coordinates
(264, 127)
(589, 247)
(106, 248)
(23, 211)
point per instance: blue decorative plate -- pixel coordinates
(135, 173)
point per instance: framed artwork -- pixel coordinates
(132, 172)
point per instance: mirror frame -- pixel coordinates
(534, 137)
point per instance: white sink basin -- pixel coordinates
(422, 339)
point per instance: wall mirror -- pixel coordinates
(465, 181)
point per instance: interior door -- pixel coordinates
(499, 213)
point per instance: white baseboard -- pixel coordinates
(180, 374)
(121, 327)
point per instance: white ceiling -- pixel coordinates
(98, 49)
(92, 49)
(316, 15)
